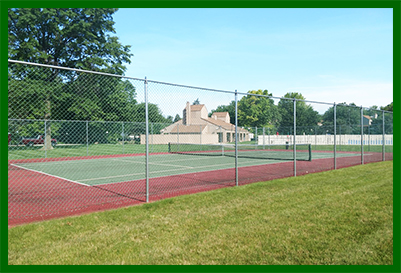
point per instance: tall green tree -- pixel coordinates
(257, 111)
(388, 107)
(78, 38)
(176, 118)
(69, 37)
(226, 108)
(348, 118)
(306, 116)
(388, 118)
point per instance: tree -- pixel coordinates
(78, 38)
(388, 118)
(388, 107)
(177, 118)
(196, 102)
(306, 117)
(226, 108)
(348, 118)
(170, 118)
(100, 98)
(257, 111)
(155, 114)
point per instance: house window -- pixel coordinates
(220, 137)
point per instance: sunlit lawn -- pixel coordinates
(337, 217)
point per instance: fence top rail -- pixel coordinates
(188, 86)
(75, 69)
(283, 98)
(90, 121)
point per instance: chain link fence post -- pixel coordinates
(384, 140)
(335, 134)
(147, 139)
(122, 134)
(362, 135)
(295, 132)
(87, 138)
(45, 139)
(236, 138)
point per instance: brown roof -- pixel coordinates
(220, 113)
(188, 129)
(197, 107)
(368, 117)
(224, 125)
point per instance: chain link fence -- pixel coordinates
(81, 141)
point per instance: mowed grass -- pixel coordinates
(338, 217)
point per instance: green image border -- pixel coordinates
(4, 5)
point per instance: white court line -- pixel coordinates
(167, 160)
(94, 161)
(136, 174)
(143, 162)
(50, 175)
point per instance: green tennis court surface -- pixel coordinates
(120, 169)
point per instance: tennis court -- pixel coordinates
(101, 171)
(54, 187)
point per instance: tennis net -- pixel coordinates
(275, 152)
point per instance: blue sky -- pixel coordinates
(329, 55)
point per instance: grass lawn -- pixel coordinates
(340, 217)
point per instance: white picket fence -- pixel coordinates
(326, 139)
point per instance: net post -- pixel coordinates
(295, 132)
(236, 138)
(335, 132)
(384, 145)
(310, 151)
(147, 139)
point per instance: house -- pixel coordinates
(367, 120)
(197, 127)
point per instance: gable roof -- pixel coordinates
(197, 107)
(188, 129)
(221, 114)
(367, 117)
(224, 125)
